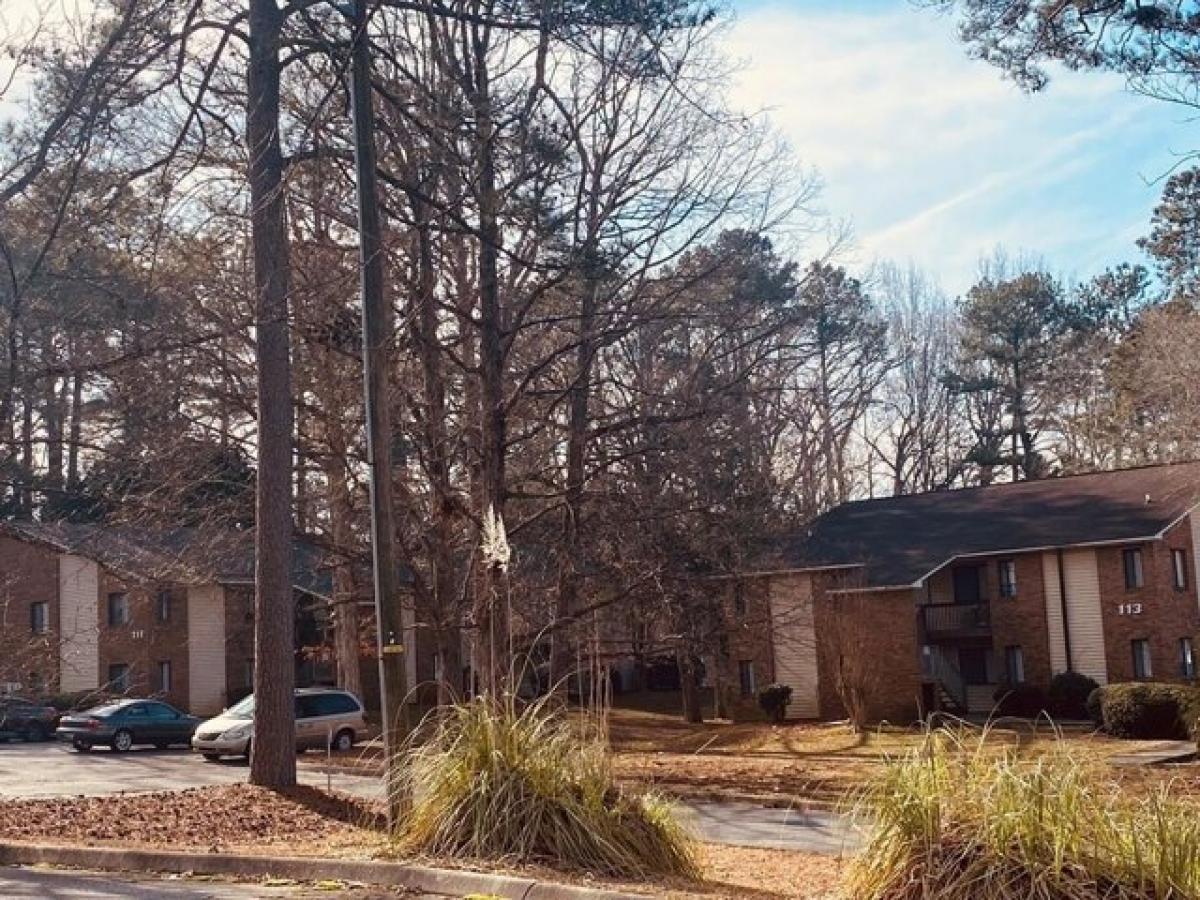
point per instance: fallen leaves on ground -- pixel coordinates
(208, 818)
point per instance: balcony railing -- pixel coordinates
(956, 620)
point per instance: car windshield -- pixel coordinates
(243, 709)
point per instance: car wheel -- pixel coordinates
(212, 757)
(81, 746)
(343, 740)
(122, 741)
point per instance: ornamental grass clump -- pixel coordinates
(523, 785)
(956, 820)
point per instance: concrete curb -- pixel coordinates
(444, 882)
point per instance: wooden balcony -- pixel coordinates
(956, 621)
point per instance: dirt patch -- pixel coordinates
(211, 819)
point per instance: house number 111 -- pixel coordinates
(1129, 609)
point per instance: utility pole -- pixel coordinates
(377, 333)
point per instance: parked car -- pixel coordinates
(24, 718)
(325, 717)
(125, 724)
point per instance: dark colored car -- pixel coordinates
(127, 723)
(24, 718)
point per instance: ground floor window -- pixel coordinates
(1187, 658)
(39, 617)
(1141, 659)
(164, 676)
(1014, 664)
(118, 678)
(746, 677)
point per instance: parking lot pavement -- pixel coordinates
(55, 770)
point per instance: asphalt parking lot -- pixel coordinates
(55, 770)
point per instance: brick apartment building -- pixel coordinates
(940, 598)
(169, 614)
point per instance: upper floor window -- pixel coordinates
(163, 605)
(1187, 658)
(1008, 578)
(1134, 573)
(39, 617)
(739, 599)
(1141, 659)
(1179, 569)
(118, 608)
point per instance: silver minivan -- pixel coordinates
(325, 718)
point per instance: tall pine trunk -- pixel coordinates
(273, 760)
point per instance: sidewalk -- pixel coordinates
(1163, 754)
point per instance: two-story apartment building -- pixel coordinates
(171, 614)
(934, 600)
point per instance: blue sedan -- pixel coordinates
(124, 724)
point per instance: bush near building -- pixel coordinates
(1149, 711)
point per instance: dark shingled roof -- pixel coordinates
(900, 540)
(185, 555)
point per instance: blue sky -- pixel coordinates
(933, 158)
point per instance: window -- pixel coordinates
(1141, 659)
(330, 704)
(746, 677)
(1134, 577)
(1187, 658)
(1179, 569)
(39, 617)
(739, 599)
(1014, 664)
(118, 677)
(164, 606)
(118, 609)
(164, 676)
(1008, 578)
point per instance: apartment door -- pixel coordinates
(967, 588)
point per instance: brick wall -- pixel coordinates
(880, 628)
(747, 639)
(145, 641)
(1021, 620)
(1165, 616)
(28, 574)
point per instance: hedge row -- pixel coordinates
(1147, 710)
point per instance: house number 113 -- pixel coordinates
(1129, 609)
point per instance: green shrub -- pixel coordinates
(1068, 695)
(499, 783)
(957, 820)
(774, 700)
(1150, 711)
(1023, 701)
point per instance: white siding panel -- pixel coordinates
(79, 620)
(1054, 619)
(206, 649)
(1083, 614)
(794, 644)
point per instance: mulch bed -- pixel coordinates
(198, 818)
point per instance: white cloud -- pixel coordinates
(934, 157)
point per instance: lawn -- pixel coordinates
(811, 761)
